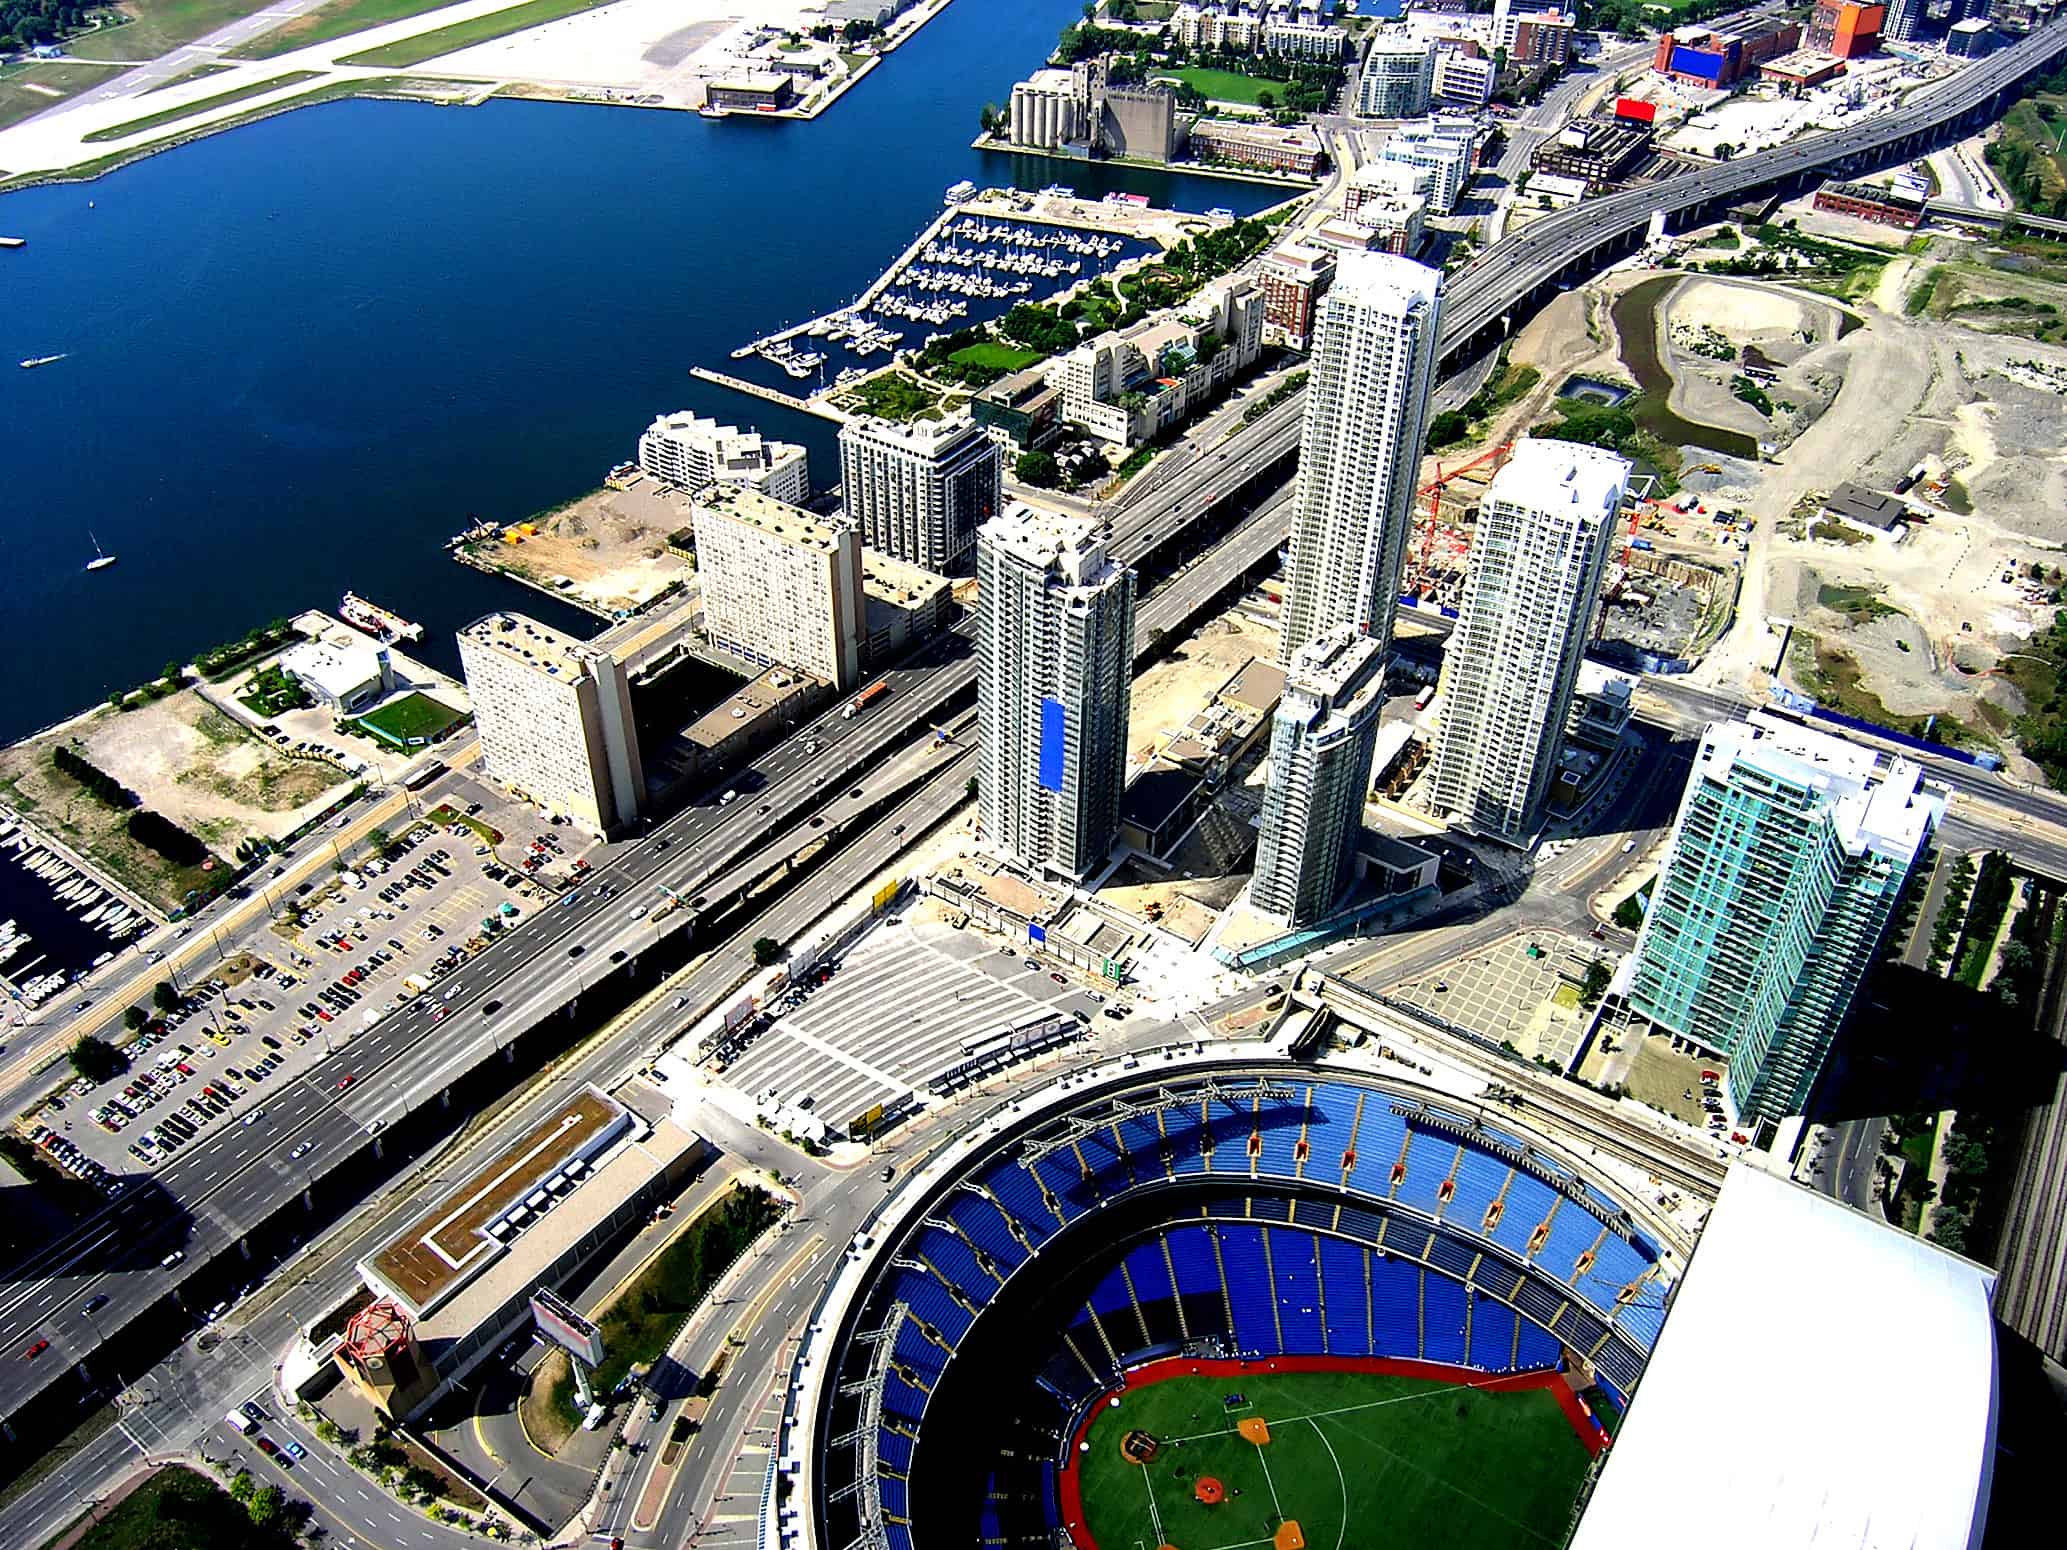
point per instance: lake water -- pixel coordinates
(302, 353)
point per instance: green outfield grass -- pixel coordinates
(1357, 1459)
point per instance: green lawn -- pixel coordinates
(1226, 86)
(446, 40)
(334, 19)
(136, 126)
(1002, 357)
(176, 1506)
(160, 26)
(1435, 1463)
(414, 719)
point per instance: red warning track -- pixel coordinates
(1069, 1487)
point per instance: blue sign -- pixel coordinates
(1054, 727)
(1036, 932)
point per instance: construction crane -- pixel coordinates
(1433, 493)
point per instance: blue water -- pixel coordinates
(303, 352)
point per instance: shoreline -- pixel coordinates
(1197, 169)
(465, 92)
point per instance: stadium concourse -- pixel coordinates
(1451, 1312)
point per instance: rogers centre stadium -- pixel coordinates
(1198, 1302)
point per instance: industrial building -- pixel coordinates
(1871, 202)
(902, 606)
(1321, 742)
(1295, 148)
(555, 719)
(1055, 663)
(1974, 38)
(780, 586)
(919, 491)
(1045, 112)
(1603, 151)
(1397, 80)
(751, 91)
(690, 451)
(1373, 368)
(1545, 526)
(1704, 56)
(456, 1282)
(1081, 111)
(1126, 388)
(1294, 277)
(1787, 859)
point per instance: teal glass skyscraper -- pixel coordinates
(1787, 858)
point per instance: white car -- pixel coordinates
(455, 990)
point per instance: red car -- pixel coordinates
(441, 1014)
(266, 1445)
(1711, 1076)
(35, 1350)
(345, 1081)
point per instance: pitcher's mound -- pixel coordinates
(1289, 1536)
(1208, 1491)
(1254, 1428)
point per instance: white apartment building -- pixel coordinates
(1321, 742)
(1398, 76)
(690, 451)
(1209, 27)
(1372, 368)
(780, 586)
(1545, 528)
(1441, 148)
(918, 492)
(1054, 672)
(1463, 80)
(555, 719)
(1126, 388)
(1306, 42)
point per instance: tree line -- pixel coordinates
(25, 23)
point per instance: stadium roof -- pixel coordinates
(1822, 1380)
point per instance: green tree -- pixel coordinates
(242, 1486)
(766, 950)
(1038, 469)
(97, 1060)
(265, 1505)
(971, 788)
(164, 997)
(381, 842)
(1596, 985)
(1266, 100)
(135, 1018)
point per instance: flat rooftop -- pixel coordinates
(542, 1245)
(523, 639)
(449, 1244)
(773, 689)
(1872, 508)
(764, 514)
(1256, 686)
(895, 581)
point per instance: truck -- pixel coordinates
(1427, 693)
(1641, 544)
(414, 985)
(866, 698)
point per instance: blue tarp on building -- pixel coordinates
(1054, 726)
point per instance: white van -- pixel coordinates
(241, 1422)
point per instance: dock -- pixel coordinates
(824, 411)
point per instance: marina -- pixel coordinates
(58, 923)
(986, 253)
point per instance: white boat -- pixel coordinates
(39, 360)
(958, 192)
(101, 558)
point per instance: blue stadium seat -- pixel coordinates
(1151, 1275)
(1013, 1185)
(1144, 1146)
(1572, 1233)
(1539, 1348)
(1342, 1272)
(1480, 1178)
(1191, 1250)
(987, 1228)
(1248, 1288)
(1492, 1335)
(1442, 1319)
(1428, 1164)
(1395, 1292)
(956, 1261)
(1297, 1287)
(1110, 1296)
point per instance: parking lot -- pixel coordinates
(340, 955)
(909, 1003)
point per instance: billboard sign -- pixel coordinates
(886, 895)
(1054, 742)
(1037, 933)
(567, 1329)
(1637, 109)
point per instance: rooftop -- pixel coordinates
(450, 1244)
(764, 514)
(1386, 281)
(1874, 508)
(336, 670)
(1069, 549)
(537, 646)
(1256, 686)
(1561, 476)
(892, 580)
(1879, 801)
(766, 693)
(1868, 1454)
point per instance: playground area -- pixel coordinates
(1211, 1455)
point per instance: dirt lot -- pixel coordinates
(206, 772)
(611, 545)
(1169, 692)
